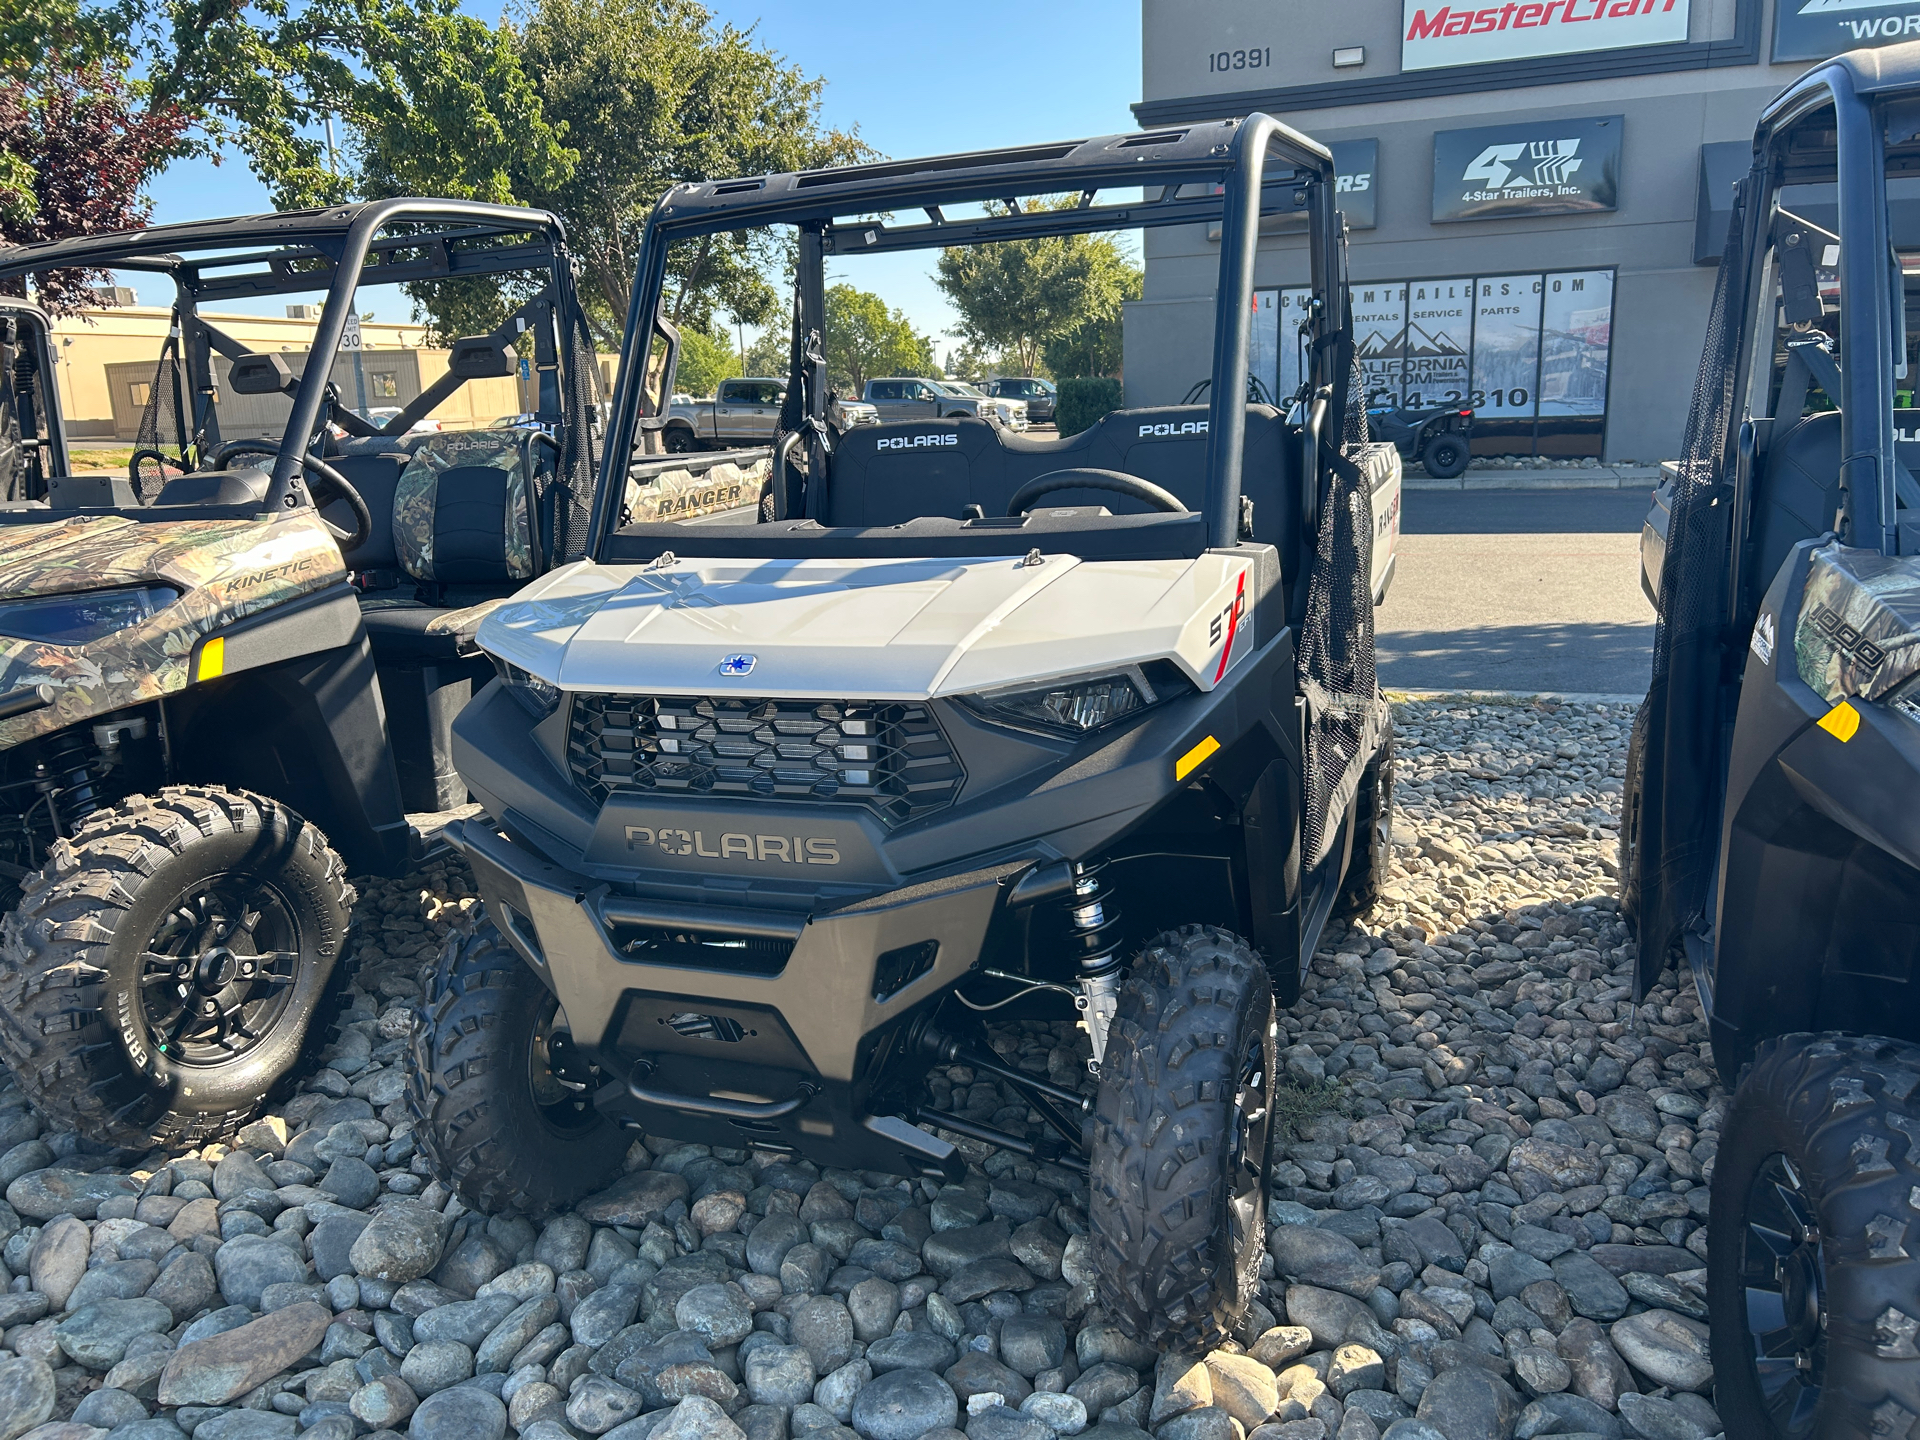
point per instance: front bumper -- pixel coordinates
(817, 1029)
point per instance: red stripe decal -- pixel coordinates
(1233, 626)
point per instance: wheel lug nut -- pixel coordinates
(210, 1008)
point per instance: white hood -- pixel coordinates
(879, 629)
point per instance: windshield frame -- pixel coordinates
(340, 242)
(1230, 172)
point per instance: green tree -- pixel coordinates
(653, 93)
(1015, 296)
(706, 358)
(768, 353)
(1093, 347)
(865, 339)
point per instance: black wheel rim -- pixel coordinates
(219, 970)
(1784, 1281)
(558, 1076)
(1251, 1123)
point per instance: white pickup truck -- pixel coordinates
(745, 414)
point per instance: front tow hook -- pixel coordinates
(713, 1104)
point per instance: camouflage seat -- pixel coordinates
(463, 532)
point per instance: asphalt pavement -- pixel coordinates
(1524, 590)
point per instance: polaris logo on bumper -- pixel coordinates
(800, 841)
(916, 442)
(761, 849)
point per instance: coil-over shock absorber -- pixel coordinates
(1095, 938)
(70, 779)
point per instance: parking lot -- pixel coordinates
(1522, 590)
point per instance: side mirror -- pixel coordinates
(261, 375)
(480, 357)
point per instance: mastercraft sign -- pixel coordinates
(1815, 29)
(1436, 33)
(1544, 167)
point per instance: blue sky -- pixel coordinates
(915, 79)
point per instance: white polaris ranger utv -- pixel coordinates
(775, 808)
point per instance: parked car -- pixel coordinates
(1437, 436)
(1038, 395)
(1013, 413)
(914, 398)
(743, 413)
(845, 415)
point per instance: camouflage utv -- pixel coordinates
(228, 671)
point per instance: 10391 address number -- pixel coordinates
(1260, 58)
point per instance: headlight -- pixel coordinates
(82, 618)
(1077, 705)
(539, 698)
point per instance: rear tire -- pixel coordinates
(172, 964)
(1812, 1227)
(1182, 1136)
(1372, 858)
(1445, 456)
(680, 441)
(492, 1118)
(1630, 802)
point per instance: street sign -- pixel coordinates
(350, 335)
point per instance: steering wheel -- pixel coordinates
(1143, 490)
(325, 483)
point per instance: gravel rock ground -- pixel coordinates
(1487, 1215)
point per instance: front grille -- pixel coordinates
(888, 756)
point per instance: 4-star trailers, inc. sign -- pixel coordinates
(1437, 33)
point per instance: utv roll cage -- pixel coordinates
(338, 249)
(1232, 170)
(1729, 532)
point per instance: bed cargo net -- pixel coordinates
(162, 427)
(567, 509)
(1346, 714)
(1678, 826)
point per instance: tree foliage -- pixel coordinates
(706, 358)
(1093, 347)
(768, 353)
(653, 93)
(76, 148)
(865, 339)
(1017, 297)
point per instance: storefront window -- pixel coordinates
(1527, 353)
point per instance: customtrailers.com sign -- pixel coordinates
(1436, 33)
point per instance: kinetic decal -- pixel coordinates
(215, 564)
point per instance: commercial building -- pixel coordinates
(1536, 193)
